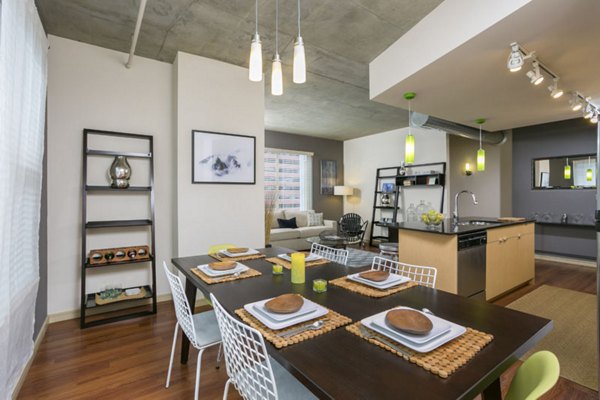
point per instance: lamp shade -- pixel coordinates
(255, 72)
(480, 160)
(409, 149)
(343, 190)
(567, 172)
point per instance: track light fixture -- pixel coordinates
(535, 76)
(517, 58)
(555, 91)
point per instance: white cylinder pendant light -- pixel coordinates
(276, 72)
(299, 75)
(255, 72)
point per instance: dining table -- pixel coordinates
(341, 365)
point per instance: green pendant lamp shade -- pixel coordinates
(567, 170)
(409, 145)
(589, 174)
(481, 151)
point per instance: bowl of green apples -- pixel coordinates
(432, 218)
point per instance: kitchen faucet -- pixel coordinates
(455, 213)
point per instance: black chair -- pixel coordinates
(353, 228)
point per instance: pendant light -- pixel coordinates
(567, 171)
(299, 57)
(409, 145)
(589, 174)
(276, 73)
(255, 73)
(481, 151)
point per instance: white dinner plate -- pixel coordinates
(296, 318)
(391, 281)
(434, 339)
(213, 273)
(306, 308)
(250, 252)
(310, 257)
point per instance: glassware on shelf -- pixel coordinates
(411, 213)
(577, 218)
(430, 207)
(421, 208)
(547, 217)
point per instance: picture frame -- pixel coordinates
(432, 180)
(388, 187)
(223, 158)
(328, 176)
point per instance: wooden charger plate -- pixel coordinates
(375, 276)
(285, 304)
(222, 265)
(409, 321)
(238, 250)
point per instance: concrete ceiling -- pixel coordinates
(341, 38)
(472, 81)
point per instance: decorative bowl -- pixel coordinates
(432, 218)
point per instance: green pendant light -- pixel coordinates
(409, 145)
(481, 151)
(589, 174)
(567, 171)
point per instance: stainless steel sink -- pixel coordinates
(475, 222)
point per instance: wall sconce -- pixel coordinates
(468, 170)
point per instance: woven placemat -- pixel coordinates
(223, 257)
(100, 301)
(288, 265)
(249, 273)
(366, 290)
(333, 320)
(444, 360)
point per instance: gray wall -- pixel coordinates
(41, 301)
(576, 136)
(323, 149)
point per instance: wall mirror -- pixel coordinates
(565, 172)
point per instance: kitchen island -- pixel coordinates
(478, 257)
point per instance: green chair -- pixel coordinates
(219, 247)
(535, 377)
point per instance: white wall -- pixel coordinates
(362, 157)
(89, 87)
(217, 97)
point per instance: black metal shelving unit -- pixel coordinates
(88, 299)
(402, 182)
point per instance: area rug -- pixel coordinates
(573, 338)
(359, 258)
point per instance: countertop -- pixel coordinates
(448, 228)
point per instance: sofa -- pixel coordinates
(309, 224)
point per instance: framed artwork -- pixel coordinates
(328, 176)
(387, 187)
(223, 158)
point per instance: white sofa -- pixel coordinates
(296, 238)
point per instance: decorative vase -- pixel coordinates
(385, 199)
(120, 172)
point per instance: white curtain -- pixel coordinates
(23, 59)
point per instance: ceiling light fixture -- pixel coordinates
(589, 174)
(535, 76)
(555, 91)
(594, 119)
(567, 170)
(409, 145)
(515, 59)
(299, 56)
(575, 103)
(481, 151)
(255, 72)
(276, 72)
(588, 111)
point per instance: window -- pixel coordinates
(288, 177)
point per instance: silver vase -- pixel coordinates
(120, 172)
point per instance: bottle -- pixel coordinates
(411, 213)
(421, 208)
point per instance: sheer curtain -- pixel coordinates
(23, 55)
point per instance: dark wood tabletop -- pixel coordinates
(339, 365)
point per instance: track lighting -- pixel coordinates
(515, 59)
(588, 112)
(594, 119)
(535, 76)
(575, 103)
(555, 91)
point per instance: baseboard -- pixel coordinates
(74, 314)
(566, 260)
(36, 347)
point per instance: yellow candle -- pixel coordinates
(277, 269)
(320, 285)
(298, 268)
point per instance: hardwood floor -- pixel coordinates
(129, 359)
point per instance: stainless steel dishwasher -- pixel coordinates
(471, 264)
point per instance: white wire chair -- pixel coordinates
(254, 374)
(201, 329)
(423, 275)
(339, 256)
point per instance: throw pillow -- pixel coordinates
(315, 219)
(301, 217)
(287, 223)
